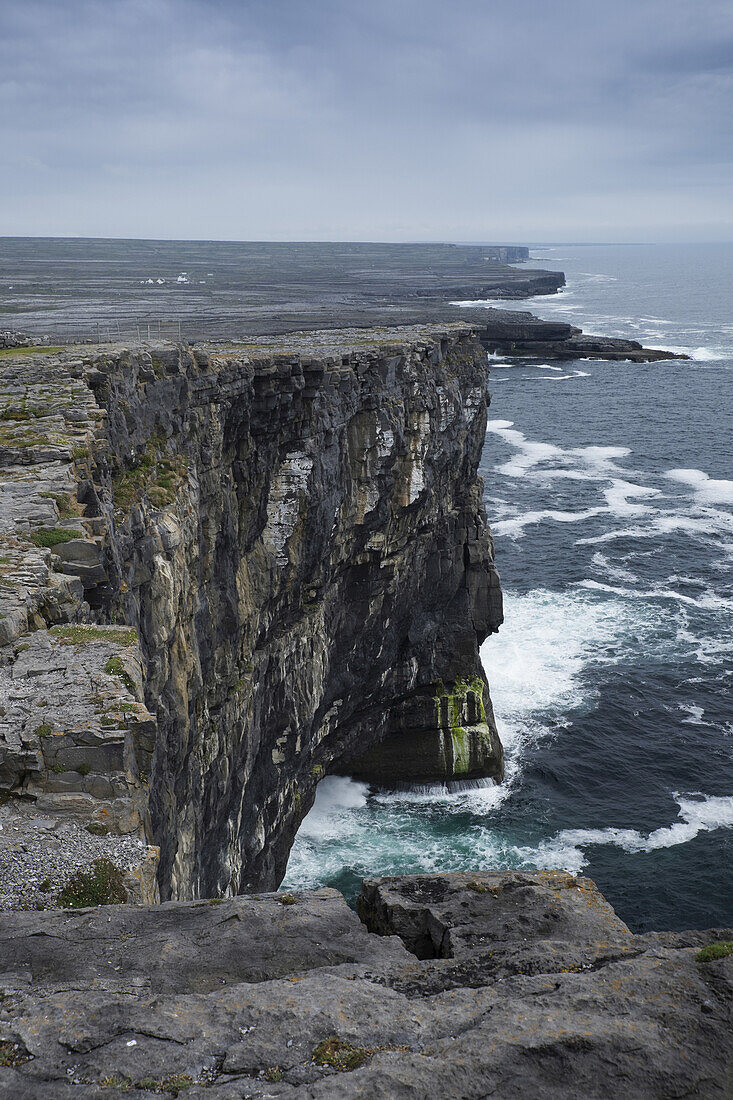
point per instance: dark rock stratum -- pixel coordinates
(525, 985)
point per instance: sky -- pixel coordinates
(463, 120)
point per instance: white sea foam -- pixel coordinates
(709, 522)
(707, 490)
(613, 570)
(514, 528)
(697, 814)
(709, 601)
(622, 493)
(698, 355)
(693, 712)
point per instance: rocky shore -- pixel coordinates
(522, 335)
(514, 985)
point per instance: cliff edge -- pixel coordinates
(227, 571)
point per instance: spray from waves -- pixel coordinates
(698, 355)
(698, 813)
(536, 666)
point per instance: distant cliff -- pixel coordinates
(282, 559)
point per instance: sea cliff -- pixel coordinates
(229, 571)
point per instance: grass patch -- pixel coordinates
(66, 503)
(720, 950)
(103, 885)
(34, 349)
(174, 1084)
(96, 828)
(155, 476)
(340, 1054)
(80, 633)
(115, 667)
(44, 730)
(11, 1054)
(287, 899)
(53, 536)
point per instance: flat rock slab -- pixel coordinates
(186, 947)
(555, 999)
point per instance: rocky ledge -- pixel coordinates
(514, 985)
(522, 335)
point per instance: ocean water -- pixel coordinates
(609, 487)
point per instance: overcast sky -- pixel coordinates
(464, 120)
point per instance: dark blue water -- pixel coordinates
(609, 487)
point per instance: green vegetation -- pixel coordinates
(720, 950)
(66, 503)
(451, 707)
(483, 888)
(340, 1054)
(44, 730)
(11, 1054)
(155, 475)
(53, 536)
(173, 1085)
(34, 349)
(287, 899)
(115, 667)
(273, 1073)
(79, 451)
(84, 769)
(104, 885)
(96, 828)
(80, 633)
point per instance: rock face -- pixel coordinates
(523, 335)
(275, 557)
(525, 985)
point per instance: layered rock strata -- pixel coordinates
(231, 570)
(511, 984)
(522, 335)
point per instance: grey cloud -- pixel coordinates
(335, 119)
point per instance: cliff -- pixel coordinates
(512, 985)
(227, 572)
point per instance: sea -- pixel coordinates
(609, 489)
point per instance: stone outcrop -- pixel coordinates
(230, 571)
(522, 335)
(12, 339)
(524, 985)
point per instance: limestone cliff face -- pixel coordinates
(297, 534)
